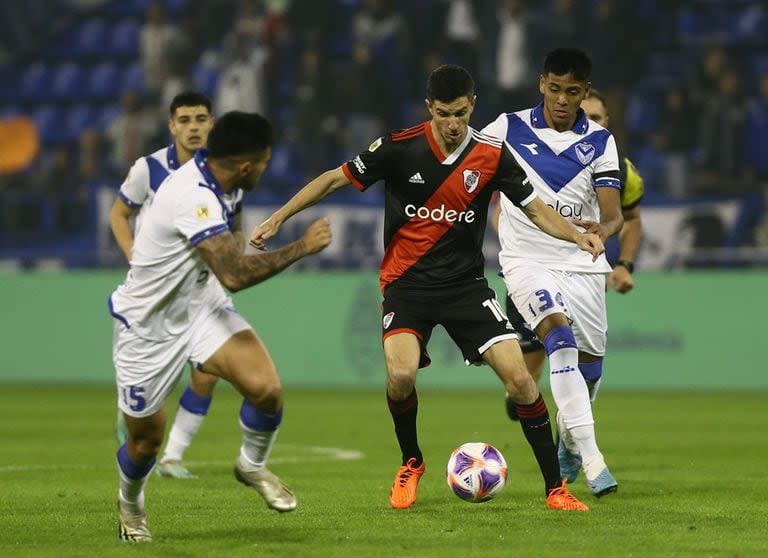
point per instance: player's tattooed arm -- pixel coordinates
(236, 271)
(237, 230)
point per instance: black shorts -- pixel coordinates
(529, 343)
(470, 314)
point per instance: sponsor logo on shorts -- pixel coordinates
(202, 212)
(387, 321)
(440, 214)
(564, 370)
(471, 180)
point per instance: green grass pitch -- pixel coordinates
(691, 469)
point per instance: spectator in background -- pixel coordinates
(704, 80)
(675, 140)
(132, 132)
(362, 98)
(311, 97)
(756, 135)
(513, 79)
(721, 137)
(461, 37)
(241, 82)
(156, 43)
(65, 190)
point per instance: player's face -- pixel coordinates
(252, 170)
(562, 97)
(595, 110)
(190, 126)
(450, 121)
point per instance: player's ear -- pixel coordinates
(428, 104)
(588, 89)
(542, 85)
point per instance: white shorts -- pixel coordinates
(147, 371)
(538, 292)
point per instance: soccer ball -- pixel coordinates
(476, 472)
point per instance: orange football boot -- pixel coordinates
(560, 498)
(403, 493)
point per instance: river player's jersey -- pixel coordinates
(565, 168)
(436, 207)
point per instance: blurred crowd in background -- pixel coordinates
(686, 83)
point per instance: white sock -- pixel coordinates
(569, 389)
(185, 426)
(256, 446)
(131, 492)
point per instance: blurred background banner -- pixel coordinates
(686, 83)
(695, 330)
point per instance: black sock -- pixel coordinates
(534, 418)
(511, 407)
(404, 416)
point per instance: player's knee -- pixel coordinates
(149, 445)
(592, 371)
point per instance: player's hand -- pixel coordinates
(590, 243)
(261, 233)
(620, 279)
(591, 227)
(317, 236)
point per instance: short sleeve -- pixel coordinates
(512, 181)
(632, 189)
(370, 166)
(199, 216)
(134, 191)
(606, 170)
(497, 128)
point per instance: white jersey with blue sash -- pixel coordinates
(565, 169)
(169, 284)
(145, 177)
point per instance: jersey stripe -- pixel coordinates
(411, 132)
(417, 236)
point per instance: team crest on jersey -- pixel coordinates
(585, 152)
(387, 321)
(375, 145)
(202, 212)
(471, 180)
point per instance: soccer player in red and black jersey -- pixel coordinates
(439, 177)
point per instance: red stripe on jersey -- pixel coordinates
(433, 144)
(411, 132)
(355, 182)
(417, 236)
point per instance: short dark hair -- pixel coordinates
(189, 99)
(597, 94)
(447, 83)
(562, 61)
(239, 133)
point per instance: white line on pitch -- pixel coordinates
(321, 453)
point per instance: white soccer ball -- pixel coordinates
(476, 472)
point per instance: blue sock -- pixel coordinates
(194, 403)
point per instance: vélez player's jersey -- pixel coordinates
(436, 206)
(144, 178)
(168, 283)
(565, 169)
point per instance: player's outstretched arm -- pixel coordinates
(119, 222)
(236, 271)
(309, 195)
(551, 223)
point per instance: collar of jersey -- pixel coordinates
(538, 121)
(201, 160)
(173, 157)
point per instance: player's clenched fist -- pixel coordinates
(317, 236)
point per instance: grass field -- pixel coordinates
(691, 470)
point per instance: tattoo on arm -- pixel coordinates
(236, 271)
(237, 231)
